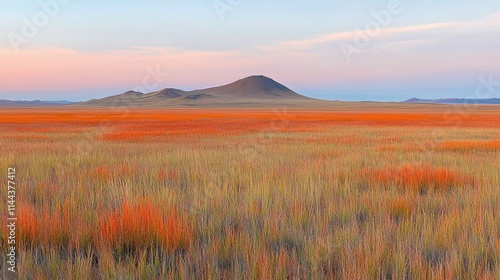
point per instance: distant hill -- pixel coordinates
(253, 91)
(455, 101)
(17, 103)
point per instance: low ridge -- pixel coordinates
(250, 91)
(455, 101)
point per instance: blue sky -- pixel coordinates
(90, 49)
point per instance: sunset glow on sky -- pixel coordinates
(388, 50)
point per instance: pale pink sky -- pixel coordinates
(439, 54)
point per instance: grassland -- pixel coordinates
(254, 194)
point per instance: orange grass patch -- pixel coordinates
(136, 125)
(130, 227)
(142, 225)
(28, 223)
(50, 227)
(170, 174)
(347, 139)
(103, 172)
(417, 177)
(462, 146)
(400, 207)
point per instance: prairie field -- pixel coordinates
(395, 193)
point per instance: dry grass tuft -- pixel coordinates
(29, 228)
(49, 227)
(470, 145)
(420, 177)
(138, 226)
(400, 208)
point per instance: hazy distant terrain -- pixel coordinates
(455, 101)
(14, 103)
(251, 92)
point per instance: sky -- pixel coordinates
(338, 50)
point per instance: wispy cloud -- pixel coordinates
(408, 34)
(350, 35)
